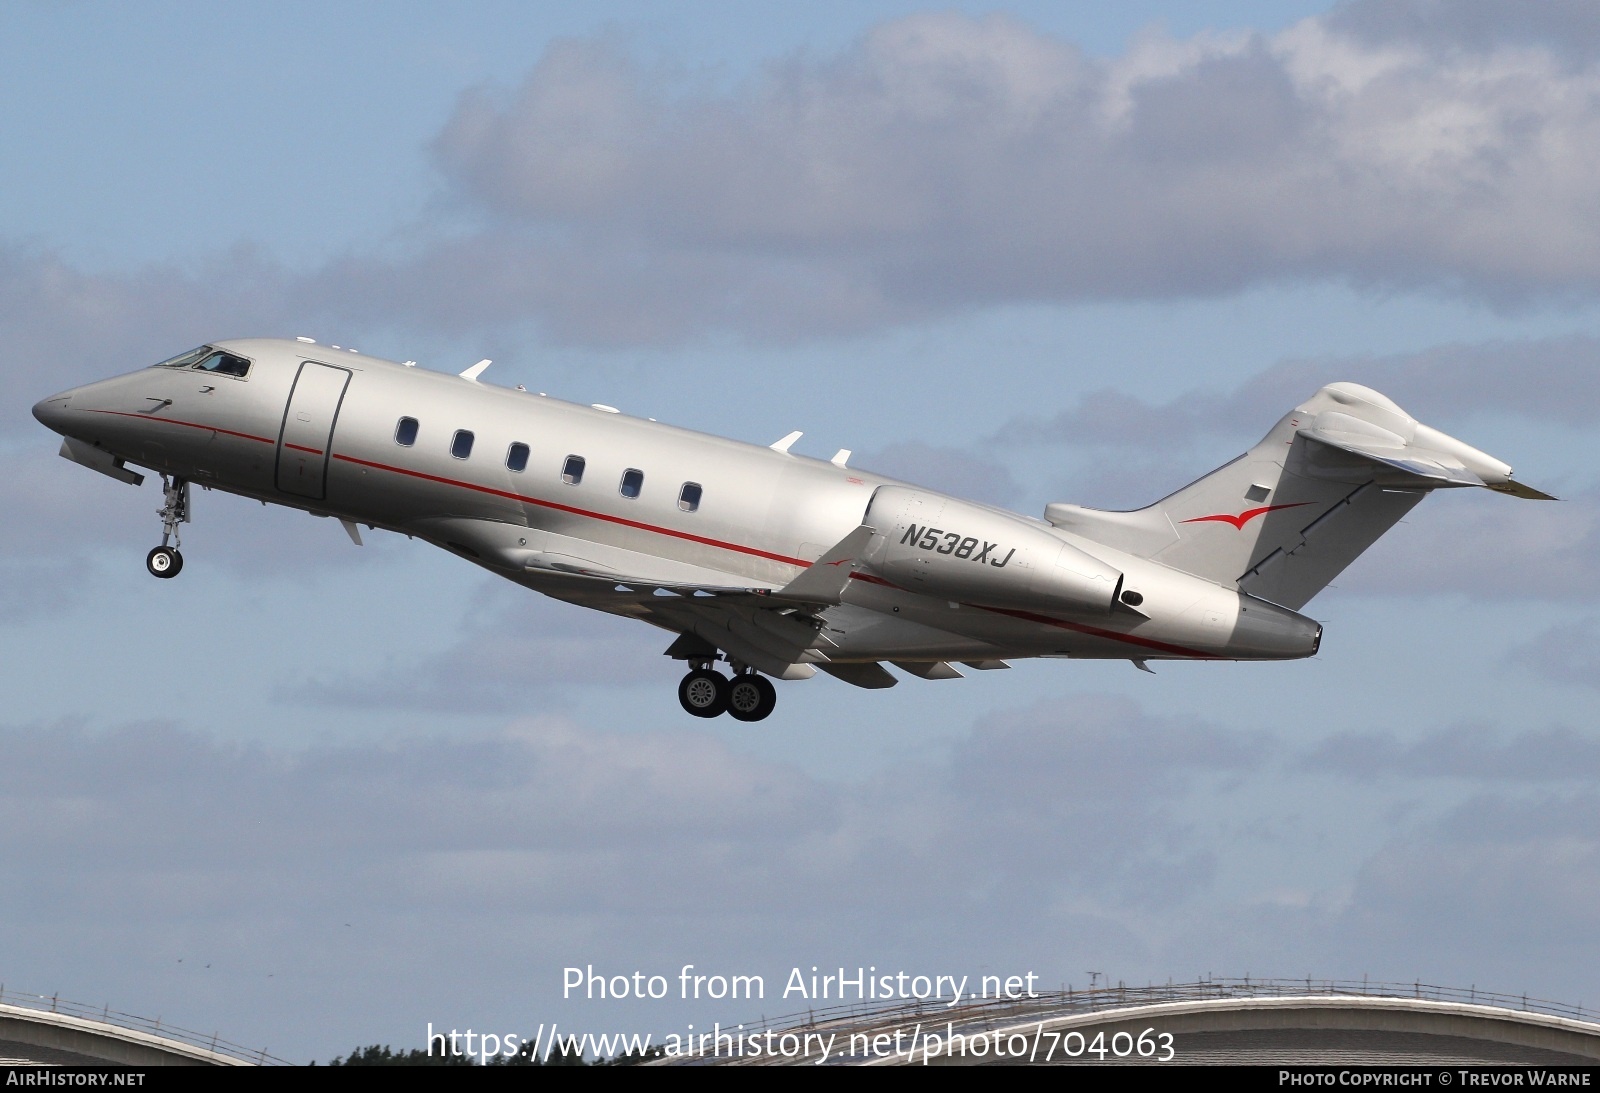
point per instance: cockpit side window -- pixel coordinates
(224, 364)
(186, 360)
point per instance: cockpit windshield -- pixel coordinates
(209, 359)
(225, 363)
(184, 360)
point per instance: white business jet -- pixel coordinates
(774, 564)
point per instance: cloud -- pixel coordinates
(1555, 547)
(1571, 28)
(946, 162)
(941, 163)
(64, 517)
(1496, 892)
(1476, 752)
(1542, 380)
(1097, 780)
(956, 471)
(64, 326)
(513, 646)
(1083, 825)
(495, 858)
(1567, 654)
(1514, 882)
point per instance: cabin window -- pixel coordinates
(405, 433)
(572, 470)
(689, 497)
(461, 444)
(517, 457)
(632, 482)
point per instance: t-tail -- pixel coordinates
(1284, 519)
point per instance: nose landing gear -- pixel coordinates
(165, 561)
(747, 696)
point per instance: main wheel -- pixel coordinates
(163, 562)
(751, 697)
(703, 693)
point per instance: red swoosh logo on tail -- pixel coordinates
(1244, 517)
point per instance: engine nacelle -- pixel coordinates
(964, 552)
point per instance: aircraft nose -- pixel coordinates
(52, 412)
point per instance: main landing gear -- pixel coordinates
(164, 560)
(747, 696)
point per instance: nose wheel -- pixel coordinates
(164, 560)
(747, 696)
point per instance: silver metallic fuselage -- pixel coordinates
(314, 428)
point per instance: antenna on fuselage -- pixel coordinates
(476, 370)
(783, 445)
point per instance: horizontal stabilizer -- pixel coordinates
(1435, 469)
(829, 575)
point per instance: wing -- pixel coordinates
(779, 630)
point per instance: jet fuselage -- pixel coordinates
(655, 522)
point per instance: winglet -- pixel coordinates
(783, 445)
(1520, 489)
(476, 370)
(829, 575)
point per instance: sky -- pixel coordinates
(315, 797)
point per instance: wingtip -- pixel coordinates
(1513, 488)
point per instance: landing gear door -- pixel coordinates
(307, 431)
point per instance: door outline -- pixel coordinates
(303, 443)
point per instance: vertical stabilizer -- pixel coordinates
(1286, 518)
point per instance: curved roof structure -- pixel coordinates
(47, 1031)
(1272, 1022)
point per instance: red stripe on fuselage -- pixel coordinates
(558, 507)
(1079, 627)
(639, 525)
(1027, 616)
(1111, 635)
(187, 424)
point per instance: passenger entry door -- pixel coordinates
(307, 431)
